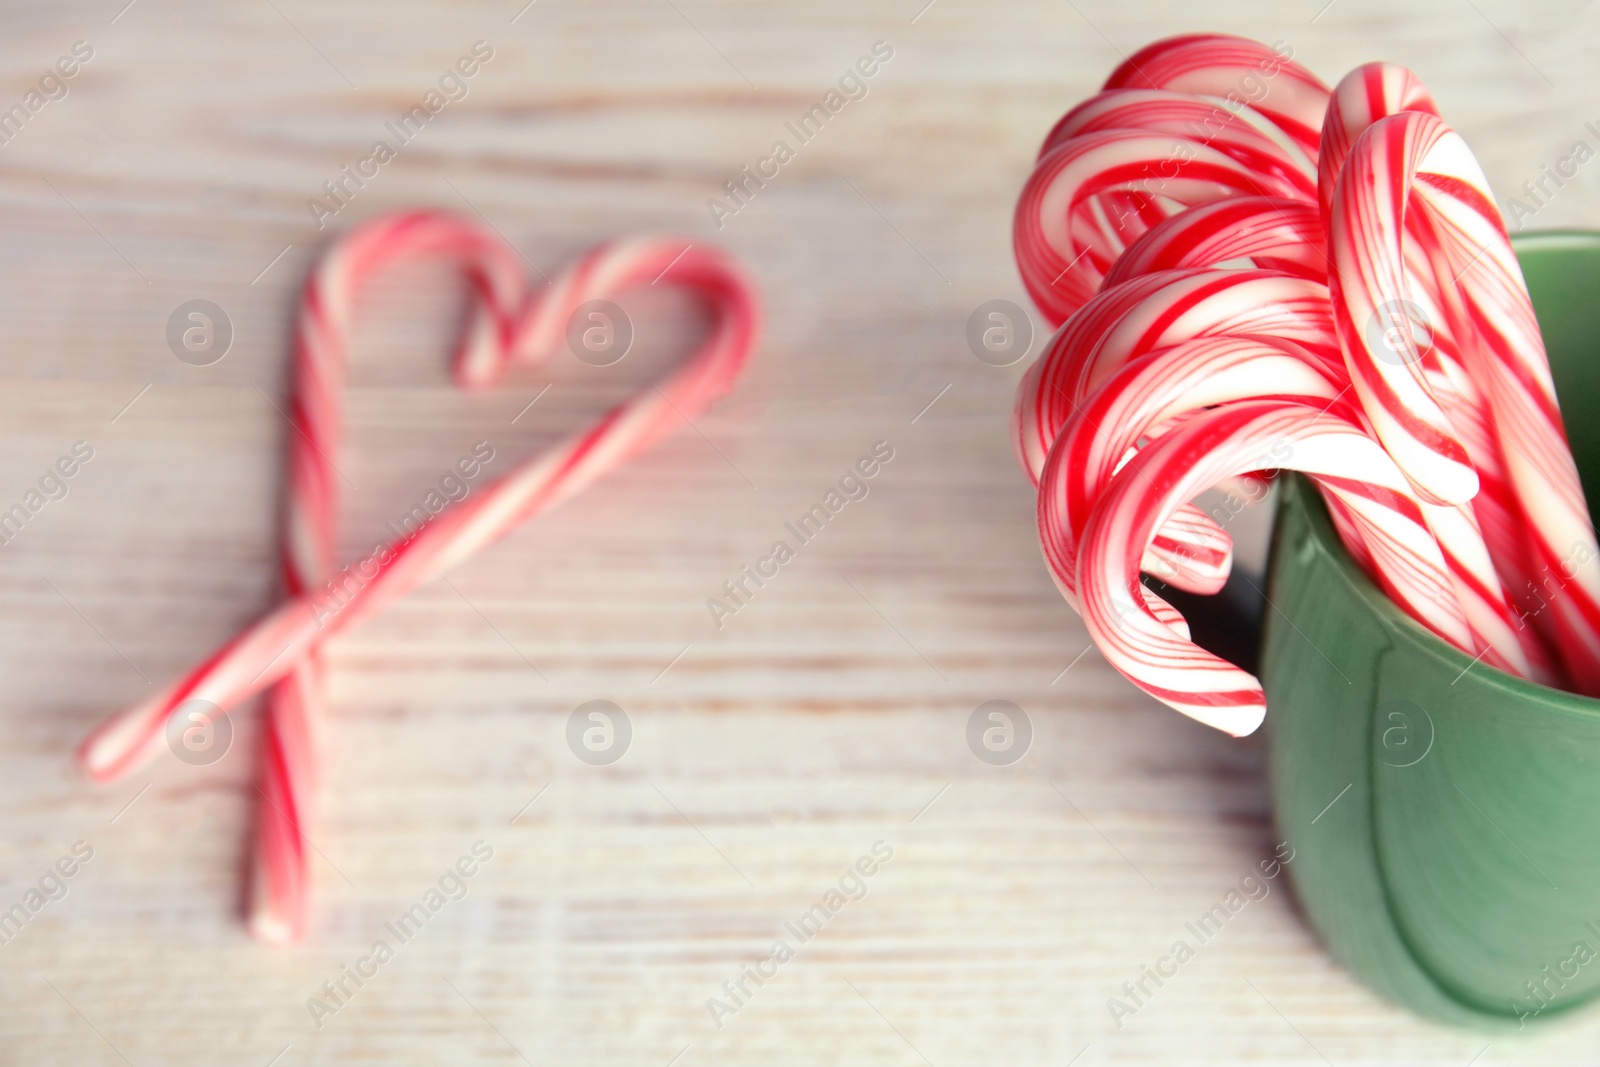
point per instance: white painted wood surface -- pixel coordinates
(827, 715)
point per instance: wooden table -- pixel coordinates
(768, 755)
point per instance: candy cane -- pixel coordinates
(1362, 98)
(505, 325)
(1254, 231)
(1372, 302)
(1426, 169)
(1242, 133)
(1140, 399)
(1157, 311)
(1238, 72)
(1063, 239)
(1161, 310)
(1186, 121)
(1170, 307)
(1165, 387)
(1226, 441)
(279, 878)
(1370, 92)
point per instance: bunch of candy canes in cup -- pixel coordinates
(1291, 277)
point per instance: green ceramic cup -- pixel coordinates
(1445, 816)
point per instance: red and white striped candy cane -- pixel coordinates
(280, 651)
(1065, 239)
(1255, 305)
(1253, 231)
(1412, 164)
(1236, 71)
(280, 872)
(1486, 539)
(1141, 399)
(1164, 388)
(1243, 134)
(1154, 311)
(1380, 324)
(1186, 121)
(1130, 624)
(1365, 95)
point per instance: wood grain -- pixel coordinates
(829, 714)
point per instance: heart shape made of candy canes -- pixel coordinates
(506, 323)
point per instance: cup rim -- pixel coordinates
(1403, 625)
